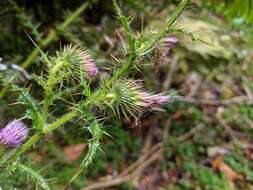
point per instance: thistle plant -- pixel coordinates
(69, 71)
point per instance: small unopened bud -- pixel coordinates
(13, 134)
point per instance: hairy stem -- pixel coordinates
(130, 60)
(126, 65)
(61, 121)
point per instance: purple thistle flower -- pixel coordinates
(13, 134)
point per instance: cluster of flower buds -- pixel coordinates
(80, 58)
(13, 134)
(131, 98)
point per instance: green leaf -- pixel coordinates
(40, 81)
(86, 88)
(33, 111)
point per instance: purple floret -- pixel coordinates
(155, 100)
(13, 134)
(90, 67)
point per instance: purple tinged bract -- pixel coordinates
(154, 100)
(13, 134)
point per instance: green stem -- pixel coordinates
(46, 104)
(172, 19)
(51, 82)
(36, 137)
(126, 65)
(39, 135)
(132, 57)
(4, 90)
(61, 121)
(45, 42)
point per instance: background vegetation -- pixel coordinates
(203, 140)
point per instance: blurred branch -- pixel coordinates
(130, 173)
(173, 68)
(233, 101)
(193, 131)
(53, 35)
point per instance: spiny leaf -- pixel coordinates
(32, 175)
(33, 111)
(40, 81)
(94, 146)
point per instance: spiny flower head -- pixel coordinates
(79, 58)
(13, 134)
(131, 98)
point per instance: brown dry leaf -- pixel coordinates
(74, 152)
(177, 115)
(36, 156)
(218, 163)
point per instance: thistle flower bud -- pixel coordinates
(132, 99)
(80, 58)
(13, 134)
(90, 67)
(169, 42)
